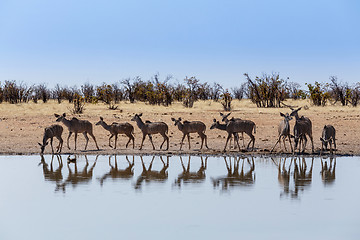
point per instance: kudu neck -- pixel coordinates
(105, 125)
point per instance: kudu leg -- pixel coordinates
(251, 140)
(243, 139)
(331, 150)
(75, 140)
(290, 143)
(227, 140)
(312, 144)
(237, 141)
(129, 136)
(182, 141)
(166, 138)
(204, 138)
(59, 147)
(87, 139)
(51, 144)
(93, 137)
(112, 135)
(150, 137)
(68, 140)
(142, 142)
(276, 143)
(188, 137)
(116, 137)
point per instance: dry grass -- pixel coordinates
(21, 125)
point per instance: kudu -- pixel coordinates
(233, 127)
(49, 133)
(149, 128)
(152, 175)
(187, 176)
(224, 118)
(234, 177)
(77, 126)
(284, 131)
(118, 128)
(191, 127)
(116, 173)
(328, 136)
(303, 127)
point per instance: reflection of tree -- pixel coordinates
(115, 173)
(49, 173)
(149, 175)
(196, 177)
(328, 172)
(234, 177)
(78, 177)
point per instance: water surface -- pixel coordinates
(133, 197)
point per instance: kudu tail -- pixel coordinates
(254, 128)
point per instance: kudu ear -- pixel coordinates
(140, 114)
(281, 114)
(56, 115)
(64, 114)
(173, 119)
(101, 118)
(221, 114)
(46, 143)
(227, 114)
(214, 120)
(299, 109)
(40, 144)
(179, 118)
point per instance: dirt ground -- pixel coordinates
(22, 127)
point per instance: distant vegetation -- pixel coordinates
(265, 91)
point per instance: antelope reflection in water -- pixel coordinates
(50, 174)
(283, 175)
(302, 177)
(116, 173)
(195, 177)
(149, 175)
(78, 177)
(234, 177)
(328, 172)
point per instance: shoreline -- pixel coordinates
(184, 153)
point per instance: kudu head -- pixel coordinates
(42, 146)
(224, 116)
(136, 117)
(286, 116)
(294, 112)
(59, 118)
(100, 122)
(215, 124)
(176, 121)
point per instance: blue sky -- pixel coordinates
(73, 42)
